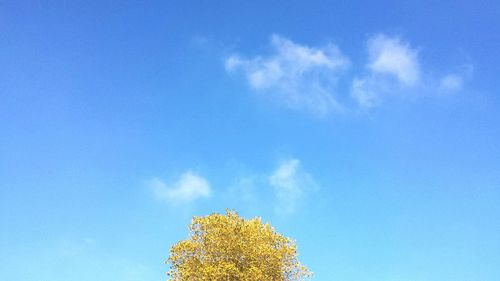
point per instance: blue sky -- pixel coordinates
(367, 131)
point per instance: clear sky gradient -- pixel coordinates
(367, 131)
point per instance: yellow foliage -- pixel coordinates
(230, 248)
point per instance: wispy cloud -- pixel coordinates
(189, 187)
(306, 77)
(302, 77)
(365, 92)
(246, 192)
(451, 83)
(393, 67)
(392, 56)
(290, 182)
(283, 189)
(454, 82)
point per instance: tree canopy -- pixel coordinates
(231, 248)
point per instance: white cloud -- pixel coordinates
(306, 78)
(188, 188)
(282, 189)
(390, 55)
(451, 83)
(302, 77)
(290, 183)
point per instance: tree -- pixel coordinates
(231, 248)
